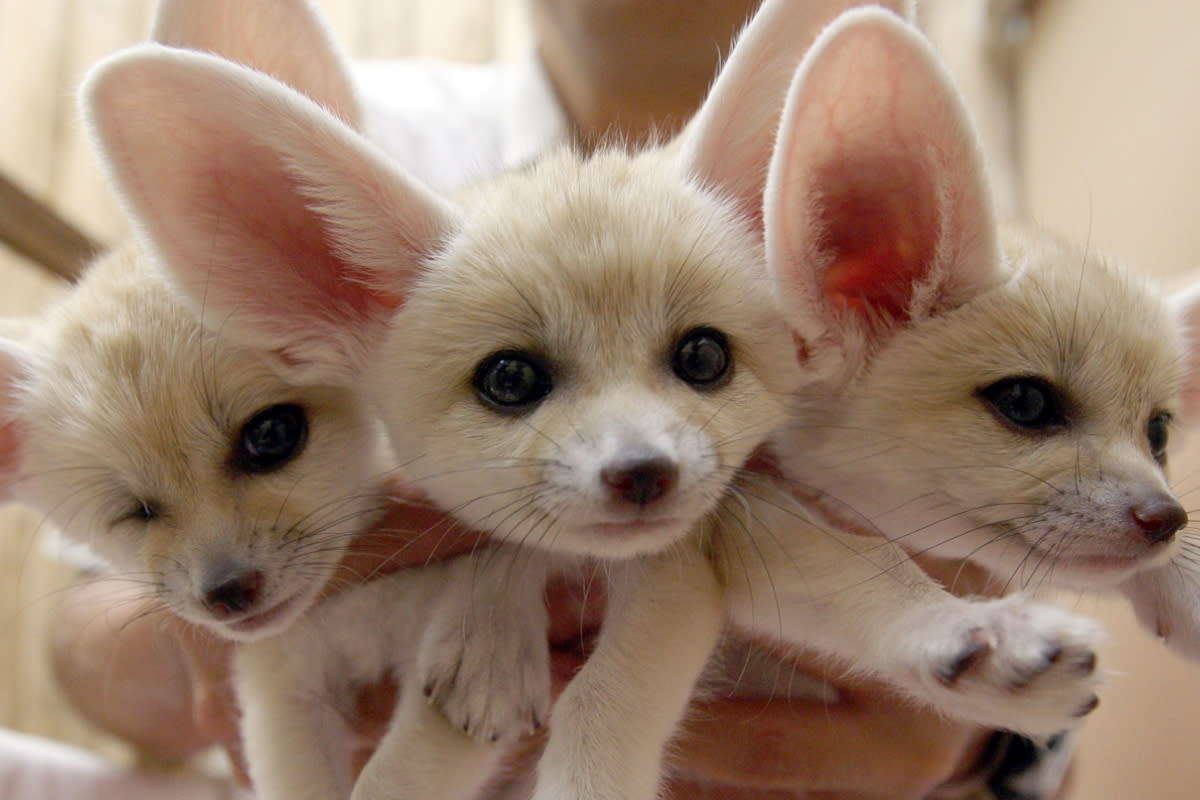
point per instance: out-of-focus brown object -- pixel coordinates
(39, 233)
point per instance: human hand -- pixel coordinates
(868, 745)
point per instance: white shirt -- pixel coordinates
(452, 124)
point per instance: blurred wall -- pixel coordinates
(1110, 131)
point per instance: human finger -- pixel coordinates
(215, 713)
(411, 532)
(868, 743)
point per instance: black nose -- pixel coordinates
(641, 480)
(1158, 517)
(233, 593)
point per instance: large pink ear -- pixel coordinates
(291, 232)
(12, 368)
(289, 40)
(728, 143)
(877, 209)
(1186, 306)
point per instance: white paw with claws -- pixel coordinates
(486, 665)
(1009, 663)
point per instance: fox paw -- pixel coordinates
(1015, 664)
(487, 671)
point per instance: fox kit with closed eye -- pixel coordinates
(576, 358)
(178, 456)
(192, 465)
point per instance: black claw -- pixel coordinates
(1088, 665)
(427, 689)
(1050, 657)
(1088, 707)
(951, 673)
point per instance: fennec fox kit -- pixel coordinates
(1015, 413)
(178, 456)
(577, 358)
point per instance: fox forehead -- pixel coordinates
(128, 382)
(1085, 323)
(607, 254)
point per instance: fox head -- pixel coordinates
(994, 395)
(578, 355)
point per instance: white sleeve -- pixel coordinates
(32, 768)
(452, 124)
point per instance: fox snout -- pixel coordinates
(640, 478)
(230, 590)
(1158, 517)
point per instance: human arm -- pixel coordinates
(163, 685)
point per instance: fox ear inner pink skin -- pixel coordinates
(285, 227)
(11, 433)
(877, 211)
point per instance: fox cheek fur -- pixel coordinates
(1042, 454)
(129, 428)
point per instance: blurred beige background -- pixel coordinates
(1109, 128)
(1110, 125)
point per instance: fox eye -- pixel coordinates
(141, 511)
(701, 358)
(1029, 403)
(271, 438)
(512, 380)
(1156, 432)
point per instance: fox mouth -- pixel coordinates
(630, 537)
(1107, 563)
(257, 623)
(633, 527)
(1110, 566)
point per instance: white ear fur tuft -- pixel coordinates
(1186, 306)
(877, 209)
(290, 232)
(728, 144)
(289, 40)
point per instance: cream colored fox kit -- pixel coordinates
(1016, 414)
(193, 465)
(577, 358)
(184, 461)
(180, 457)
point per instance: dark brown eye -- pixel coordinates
(141, 511)
(1029, 403)
(271, 438)
(512, 380)
(1157, 433)
(702, 358)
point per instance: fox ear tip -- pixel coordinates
(863, 229)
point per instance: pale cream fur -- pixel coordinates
(121, 400)
(121, 418)
(599, 267)
(907, 439)
(1097, 331)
